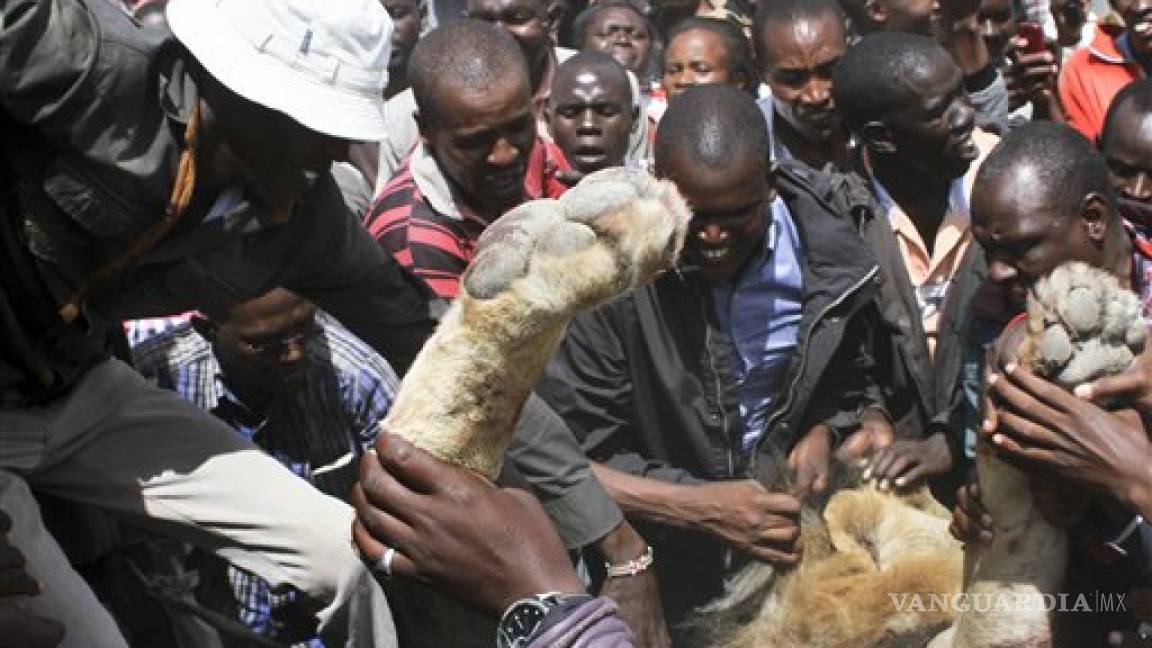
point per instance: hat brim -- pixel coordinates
(322, 107)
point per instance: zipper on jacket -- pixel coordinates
(791, 393)
(719, 403)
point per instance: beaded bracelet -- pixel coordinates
(632, 567)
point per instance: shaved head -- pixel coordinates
(464, 56)
(715, 125)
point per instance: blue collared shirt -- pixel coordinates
(319, 433)
(760, 312)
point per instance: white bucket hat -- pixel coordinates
(324, 63)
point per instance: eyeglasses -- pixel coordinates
(277, 347)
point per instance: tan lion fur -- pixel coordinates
(616, 230)
(866, 545)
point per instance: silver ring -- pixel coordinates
(385, 563)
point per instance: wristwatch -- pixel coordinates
(528, 617)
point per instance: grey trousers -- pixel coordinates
(116, 442)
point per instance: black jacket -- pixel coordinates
(643, 382)
(93, 111)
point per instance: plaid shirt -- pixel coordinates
(319, 433)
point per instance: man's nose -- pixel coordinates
(503, 153)
(712, 234)
(817, 91)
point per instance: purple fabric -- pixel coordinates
(592, 625)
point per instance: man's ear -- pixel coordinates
(877, 137)
(1095, 214)
(205, 327)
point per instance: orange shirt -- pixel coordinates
(931, 274)
(1093, 75)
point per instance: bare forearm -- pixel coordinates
(651, 499)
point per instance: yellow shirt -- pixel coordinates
(931, 274)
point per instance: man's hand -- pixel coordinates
(637, 597)
(908, 462)
(809, 459)
(971, 523)
(456, 531)
(1133, 385)
(1031, 78)
(1044, 427)
(748, 517)
(19, 629)
(875, 432)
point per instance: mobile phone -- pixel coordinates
(1034, 34)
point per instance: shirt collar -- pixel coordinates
(958, 198)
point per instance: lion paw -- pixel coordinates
(615, 230)
(1082, 325)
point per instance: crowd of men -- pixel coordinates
(227, 227)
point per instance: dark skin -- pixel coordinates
(1126, 143)
(916, 16)
(591, 115)
(456, 531)
(481, 139)
(917, 152)
(997, 25)
(234, 150)
(698, 57)
(528, 21)
(622, 33)
(407, 19)
(1030, 76)
(1137, 17)
(261, 345)
(797, 65)
(1029, 421)
(18, 628)
(1070, 17)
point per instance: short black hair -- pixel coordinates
(1067, 165)
(1134, 96)
(585, 18)
(771, 12)
(875, 78)
(739, 51)
(713, 125)
(463, 54)
(598, 62)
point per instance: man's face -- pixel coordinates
(407, 17)
(278, 158)
(799, 58)
(482, 140)
(1023, 238)
(934, 131)
(1129, 156)
(591, 117)
(697, 57)
(1137, 16)
(261, 347)
(524, 19)
(623, 34)
(914, 16)
(729, 212)
(997, 26)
